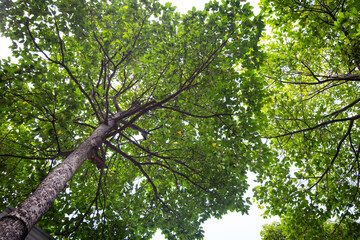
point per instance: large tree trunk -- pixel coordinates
(18, 223)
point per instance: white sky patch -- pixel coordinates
(5, 50)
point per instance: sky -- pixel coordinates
(232, 226)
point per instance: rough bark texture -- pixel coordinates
(19, 222)
(12, 228)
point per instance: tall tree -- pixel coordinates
(313, 72)
(151, 97)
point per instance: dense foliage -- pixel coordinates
(187, 132)
(325, 230)
(313, 74)
(190, 94)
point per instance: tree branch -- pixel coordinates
(335, 156)
(138, 165)
(351, 119)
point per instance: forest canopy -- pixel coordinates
(124, 116)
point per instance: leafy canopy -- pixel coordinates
(188, 135)
(312, 70)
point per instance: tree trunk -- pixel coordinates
(17, 224)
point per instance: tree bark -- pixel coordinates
(17, 224)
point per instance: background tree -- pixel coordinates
(324, 230)
(149, 96)
(272, 231)
(313, 72)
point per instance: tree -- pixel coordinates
(312, 69)
(151, 97)
(280, 230)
